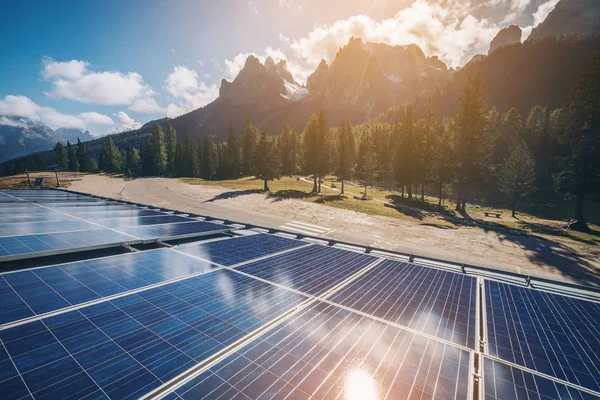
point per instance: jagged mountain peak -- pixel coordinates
(570, 17)
(506, 36)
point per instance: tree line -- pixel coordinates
(474, 151)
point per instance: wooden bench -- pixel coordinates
(490, 213)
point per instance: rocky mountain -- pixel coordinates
(506, 36)
(364, 80)
(21, 136)
(570, 17)
(72, 134)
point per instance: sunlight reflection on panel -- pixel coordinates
(360, 385)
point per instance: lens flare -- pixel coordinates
(360, 385)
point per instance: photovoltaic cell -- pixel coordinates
(47, 289)
(440, 303)
(117, 223)
(325, 352)
(48, 242)
(549, 333)
(126, 347)
(94, 208)
(20, 218)
(27, 208)
(236, 250)
(505, 382)
(31, 228)
(117, 214)
(313, 270)
(173, 230)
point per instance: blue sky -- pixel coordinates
(109, 65)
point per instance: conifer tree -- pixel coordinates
(517, 174)
(579, 176)
(60, 155)
(157, 151)
(232, 154)
(73, 162)
(208, 161)
(249, 140)
(266, 163)
(111, 157)
(171, 148)
(346, 153)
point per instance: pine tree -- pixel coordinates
(316, 148)
(443, 157)
(208, 161)
(517, 174)
(86, 163)
(249, 140)
(473, 147)
(232, 154)
(132, 162)
(157, 151)
(346, 153)
(266, 164)
(287, 145)
(427, 147)
(171, 148)
(190, 167)
(111, 158)
(580, 167)
(73, 162)
(60, 156)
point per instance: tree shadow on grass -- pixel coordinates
(287, 194)
(233, 194)
(329, 198)
(553, 256)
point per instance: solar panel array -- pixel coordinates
(262, 316)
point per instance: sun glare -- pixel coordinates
(360, 385)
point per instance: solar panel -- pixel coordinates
(325, 352)
(117, 214)
(25, 209)
(47, 289)
(20, 218)
(502, 381)
(440, 303)
(94, 208)
(53, 243)
(549, 333)
(129, 346)
(313, 270)
(30, 228)
(174, 230)
(236, 250)
(140, 221)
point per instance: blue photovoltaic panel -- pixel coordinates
(42, 290)
(25, 209)
(78, 203)
(31, 228)
(313, 270)
(556, 335)
(174, 230)
(93, 208)
(433, 301)
(236, 250)
(20, 218)
(325, 352)
(505, 382)
(139, 221)
(117, 214)
(129, 346)
(47, 242)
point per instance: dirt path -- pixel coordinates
(553, 258)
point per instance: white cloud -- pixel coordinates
(285, 3)
(126, 123)
(22, 106)
(73, 80)
(540, 16)
(146, 106)
(448, 30)
(187, 91)
(95, 118)
(18, 106)
(10, 122)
